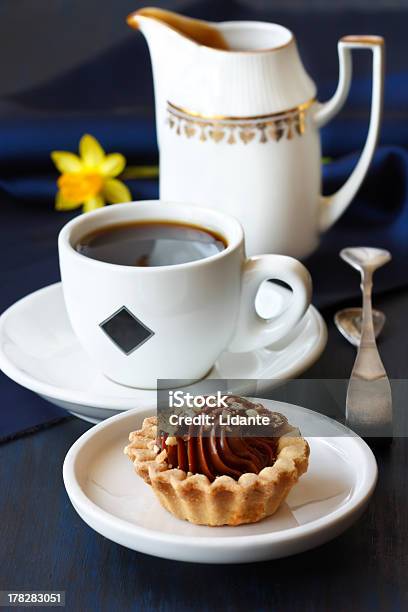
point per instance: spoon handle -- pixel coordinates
(369, 398)
(368, 364)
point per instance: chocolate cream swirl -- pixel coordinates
(216, 450)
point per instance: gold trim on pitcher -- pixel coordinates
(232, 129)
(185, 111)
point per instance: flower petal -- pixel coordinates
(62, 204)
(93, 203)
(66, 162)
(115, 192)
(91, 151)
(112, 165)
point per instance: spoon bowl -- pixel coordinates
(365, 257)
(349, 323)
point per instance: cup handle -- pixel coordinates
(252, 331)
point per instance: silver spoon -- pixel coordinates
(369, 401)
(349, 322)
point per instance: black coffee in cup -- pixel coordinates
(150, 243)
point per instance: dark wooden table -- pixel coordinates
(45, 545)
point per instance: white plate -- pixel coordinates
(38, 349)
(116, 503)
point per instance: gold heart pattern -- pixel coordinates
(217, 134)
(246, 135)
(273, 128)
(189, 130)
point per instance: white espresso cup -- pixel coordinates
(141, 324)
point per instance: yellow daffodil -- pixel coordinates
(89, 179)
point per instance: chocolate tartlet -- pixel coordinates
(216, 473)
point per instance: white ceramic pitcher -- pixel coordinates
(238, 125)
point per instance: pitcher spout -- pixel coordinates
(173, 42)
(196, 30)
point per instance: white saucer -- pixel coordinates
(116, 503)
(39, 350)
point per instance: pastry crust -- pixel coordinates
(225, 501)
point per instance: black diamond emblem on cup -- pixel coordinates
(126, 330)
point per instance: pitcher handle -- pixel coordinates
(334, 205)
